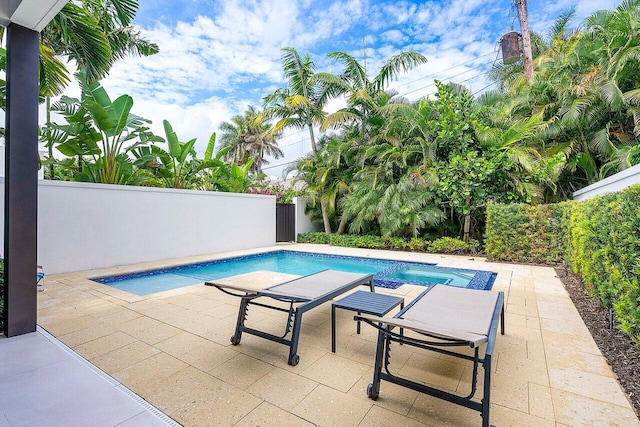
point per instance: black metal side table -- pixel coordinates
(363, 302)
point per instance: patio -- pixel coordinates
(173, 350)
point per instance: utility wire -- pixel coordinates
(487, 86)
(281, 164)
(451, 77)
(442, 71)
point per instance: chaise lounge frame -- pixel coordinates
(299, 294)
(437, 341)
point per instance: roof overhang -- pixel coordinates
(31, 14)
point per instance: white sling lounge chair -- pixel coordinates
(442, 317)
(301, 294)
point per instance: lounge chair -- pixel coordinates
(301, 294)
(442, 317)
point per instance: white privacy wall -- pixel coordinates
(617, 182)
(303, 222)
(84, 226)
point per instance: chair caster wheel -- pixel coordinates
(373, 395)
(234, 340)
(293, 360)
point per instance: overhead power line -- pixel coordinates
(446, 69)
(450, 78)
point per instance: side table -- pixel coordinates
(363, 302)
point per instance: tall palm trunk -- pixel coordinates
(312, 137)
(343, 224)
(325, 216)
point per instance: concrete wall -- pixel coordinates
(617, 182)
(303, 222)
(84, 226)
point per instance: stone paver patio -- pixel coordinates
(173, 349)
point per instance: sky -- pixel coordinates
(217, 57)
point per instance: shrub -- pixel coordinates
(450, 245)
(524, 233)
(599, 238)
(418, 245)
(397, 243)
(354, 241)
(313, 237)
(605, 252)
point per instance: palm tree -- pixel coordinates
(586, 89)
(94, 34)
(250, 137)
(365, 96)
(300, 104)
(326, 174)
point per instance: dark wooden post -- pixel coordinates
(21, 181)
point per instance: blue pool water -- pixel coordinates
(387, 273)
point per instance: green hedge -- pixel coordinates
(446, 245)
(599, 238)
(524, 233)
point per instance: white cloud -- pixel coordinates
(228, 54)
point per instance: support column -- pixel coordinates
(21, 181)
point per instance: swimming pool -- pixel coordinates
(386, 273)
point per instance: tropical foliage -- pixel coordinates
(300, 104)
(94, 34)
(429, 168)
(177, 167)
(382, 165)
(101, 133)
(106, 143)
(587, 89)
(249, 137)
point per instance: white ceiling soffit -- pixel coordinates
(32, 14)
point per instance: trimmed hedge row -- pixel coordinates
(599, 238)
(446, 245)
(530, 234)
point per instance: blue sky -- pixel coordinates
(219, 56)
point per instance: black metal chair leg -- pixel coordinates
(295, 338)
(373, 389)
(242, 315)
(487, 390)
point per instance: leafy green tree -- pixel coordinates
(586, 88)
(367, 105)
(94, 34)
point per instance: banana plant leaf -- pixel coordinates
(119, 114)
